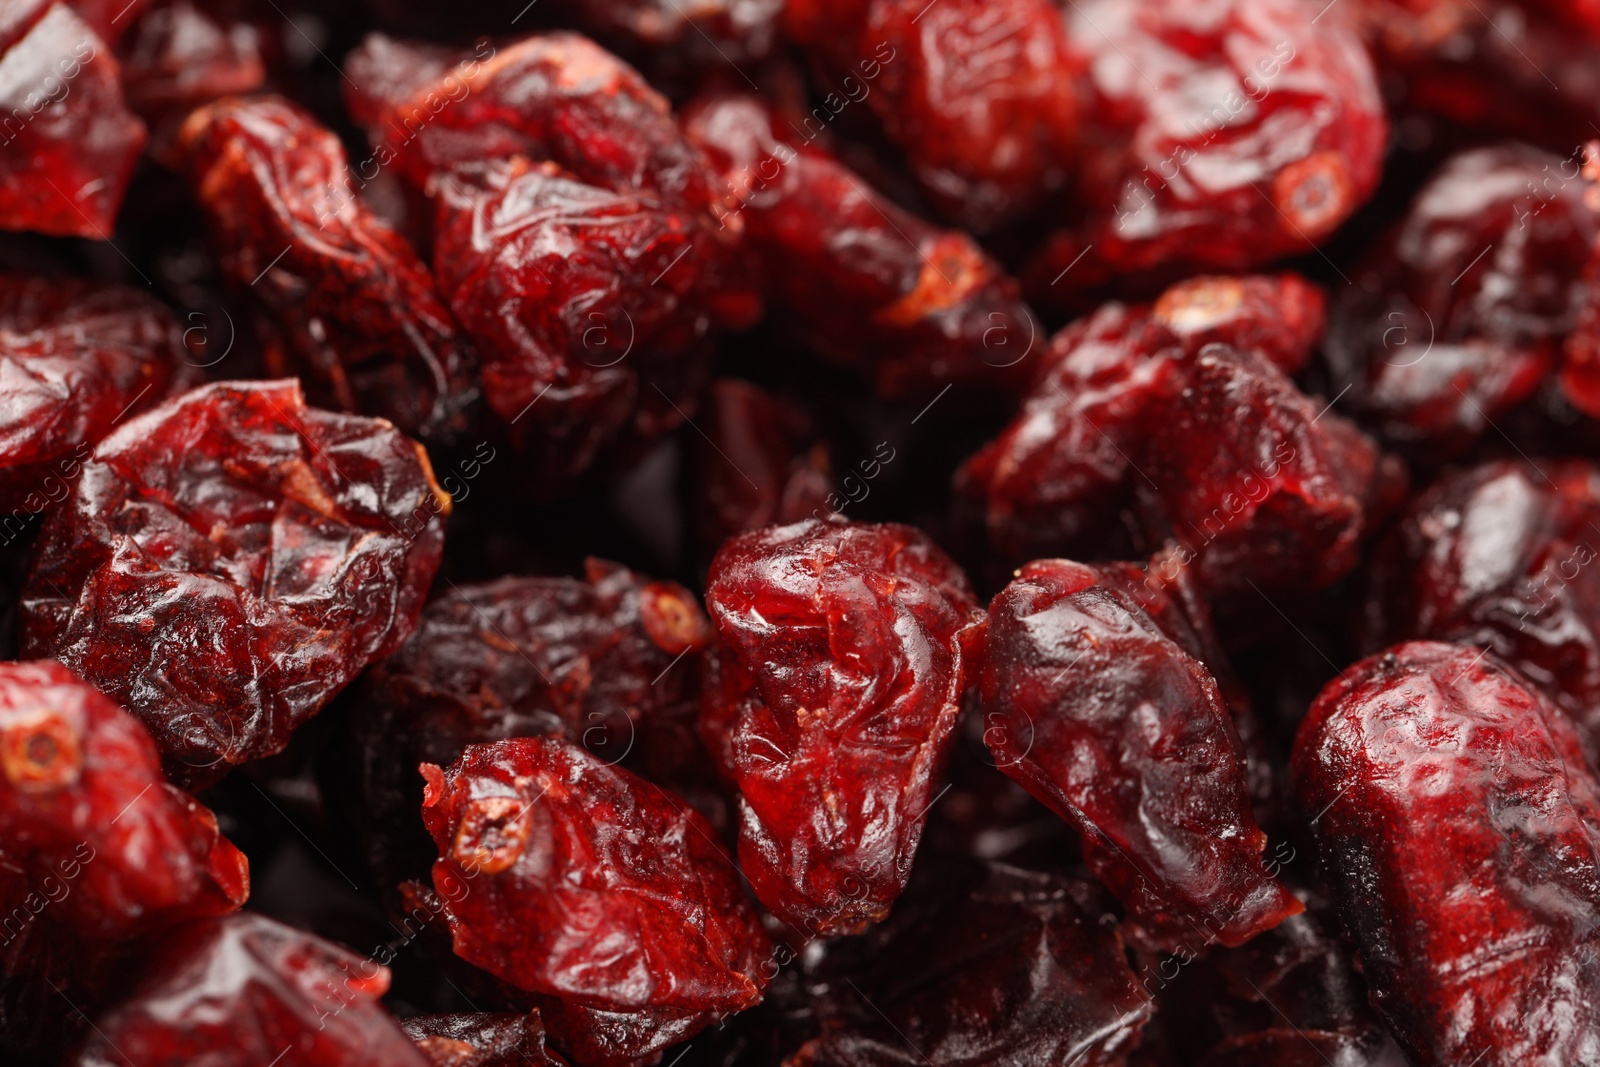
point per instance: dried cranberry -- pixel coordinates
(993, 965)
(832, 700)
(1499, 556)
(760, 463)
(1459, 314)
(1259, 482)
(596, 661)
(82, 356)
(553, 97)
(229, 561)
(343, 297)
(482, 1040)
(979, 94)
(1231, 133)
(572, 878)
(179, 57)
(1183, 411)
(99, 856)
(1118, 727)
(603, 300)
(68, 143)
(246, 991)
(871, 286)
(1459, 825)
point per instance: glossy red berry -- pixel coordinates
(99, 856)
(80, 357)
(1459, 825)
(1103, 710)
(914, 306)
(229, 561)
(569, 877)
(831, 700)
(343, 297)
(68, 142)
(247, 990)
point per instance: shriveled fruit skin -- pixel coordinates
(99, 856)
(68, 142)
(1502, 556)
(994, 966)
(1121, 730)
(913, 305)
(1460, 312)
(1263, 483)
(1182, 414)
(555, 97)
(1056, 478)
(569, 877)
(831, 701)
(75, 358)
(239, 991)
(760, 463)
(343, 297)
(592, 309)
(1235, 132)
(608, 662)
(1459, 827)
(229, 561)
(980, 95)
(482, 1040)
(179, 56)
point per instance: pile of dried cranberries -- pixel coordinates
(800, 533)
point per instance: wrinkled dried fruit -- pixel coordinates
(99, 856)
(246, 991)
(592, 310)
(553, 97)
(1235, 132)
(1183, 411)
(179, 57)
(1115, 724)
(1459, 827)
(992, 965)
(1259, 482)
(566, 876)
(523, 657)
(68, 143)
(759, 464)
(229, 561)
(482, 1040)
(75, 357)
(1501, 556)
(872, 286)
(343, 297)
(831, 703)
(1460, 313)
(979, 94)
